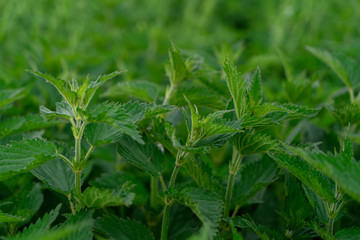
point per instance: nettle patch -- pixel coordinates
(177, 189)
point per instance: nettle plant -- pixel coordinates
(172, 146)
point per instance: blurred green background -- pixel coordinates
(67, 38)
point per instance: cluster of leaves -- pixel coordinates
(161, 179)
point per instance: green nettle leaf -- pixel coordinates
(206, 205)
(6, 217)
(143, 90)
(153, 110)
(255, 94)
(333, 63)
(98, 134)
(21, 124)
(39, 228)
(176, 70)
(307, 174)
(117, 228)
(78, 226)
(113, 180)
(263, 232)
(115, 115)
(348, 114)
(342, 168)
(63, 110)
(297, 209)
(251, 121)
(317, 204)
(94, 197)
(147, 157)
(352, 233)
(201, 173)
(252, 178)
(57, 175)
(93, 86)
(238, 89)
(249, 143)
(25, 155)
(8, 96)
(62, 86)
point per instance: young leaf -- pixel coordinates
(25, 155)
(57, 174)
(238, 89)
(307, 174)
(39, 228)
(116, 228)
(333, 63)
(93, 86)
(63, 110)
(176, 70)
(206, 205)
(61, 85)
(255, 94)
(94, 197)
(252, 178)
(146, 157)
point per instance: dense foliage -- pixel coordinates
(179, 120)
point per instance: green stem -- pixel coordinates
(153, 191)
(235, 211)
(330, 226)
(165, 222)
(168, 94)
(166, 214)
(78, 181)
(229, 190)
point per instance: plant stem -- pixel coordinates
(330, 226)
(78, 181)
(166, 214)
(153, 191)
(165, 222)
(234, 167)
(229, 189)
(235, 211)
(168, 94)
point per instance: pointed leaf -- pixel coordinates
(25, 155)
(249, 143)
(238, 89)
(146, 157)
(333, 63)
(307, 174)
(206, 205)
(57, 175)
(116, 228)
(39, 228)
(94, 197)
(63, 110)
(253, 177)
